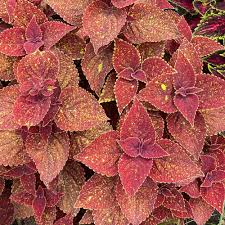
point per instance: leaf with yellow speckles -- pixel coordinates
(24, 11)
(138, 207)
(53, 31)
(6, 67)
(176, 167)
(96, 66)
(148, 23)
(87, 218)
(102, 23)
(201, 210)
(102, 154)
(66, 220)
(70, 181)
(156, 66)
(79, 111)
(12, 41)
(8, 97)
(132, 59)
(159, 92)
(191, 138)
(110, 216)
(50, 155)
(212, 95)
(122, 3)
(12, 142)
(214, 196)
(97, 193)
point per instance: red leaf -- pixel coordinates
(28, 181)
(96, 67)
(13, 143)
(71, 11)
(22, 197)
(50, 155)
(156, 66)
(39, 203)
(8, 97)
(6, 211)
(102, 23)
(201, 210)
(24, 12)
(149, 23)
(2, 185)
(53, 31)
(138, 207)
(214, 196)
(80, 110)
(213, 90)
(11, 42)
(184, 28)
(102, 154)
(70, 181)
(97, 193)
(109, 216)
(124, 91)
(133, 172)
(191, 138)
(159, 92)
(122, 3)
(41, 65)
(205, 46)
(66, 220)
(192, 189)
(215, 120)
(158, 124)
(52, 197)
(48, 216)
(132, 59)
(87, 218)
(176, 167)
(213, 177)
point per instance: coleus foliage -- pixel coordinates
(109, 106)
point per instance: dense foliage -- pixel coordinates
(112, 112)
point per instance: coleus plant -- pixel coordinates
(110, 106)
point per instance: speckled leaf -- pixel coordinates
(96, 67)
(212, 95)
(24, 11)
(107, 93)
(174, 168)
(80, 110)
(97, 193)
(68, 74)
(159, 92)
(211, 25)
(11, 42)
(70, 181)
(71, 11)
(6, 211)
(158, 123)
(191, 138)
(124, 91)
(6, 67)
(137, 124)
(28, 113)
(13, 143)
(110, 216)
(22, 211)
(151, 49)
(122, 3)
(156, 66)
(200, 210)
(38, 64)
(48, 216)
(8, 97)
(184, 29)
(66, 220)
(28, 182)
(205, 46)
(102, 154)
(132, 59)
(87, 218)
(133, 172)
(102, 23)
(149, 24)
(138, 207)
(51, 157)
(215, 120)
(214, 196)
(53, 31)
(39, 203)
(192, 189)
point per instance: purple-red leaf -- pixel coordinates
(102, 23)
(122, 3)
(97, 193)
(138, 207)
(79, 111)
(102, 154)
